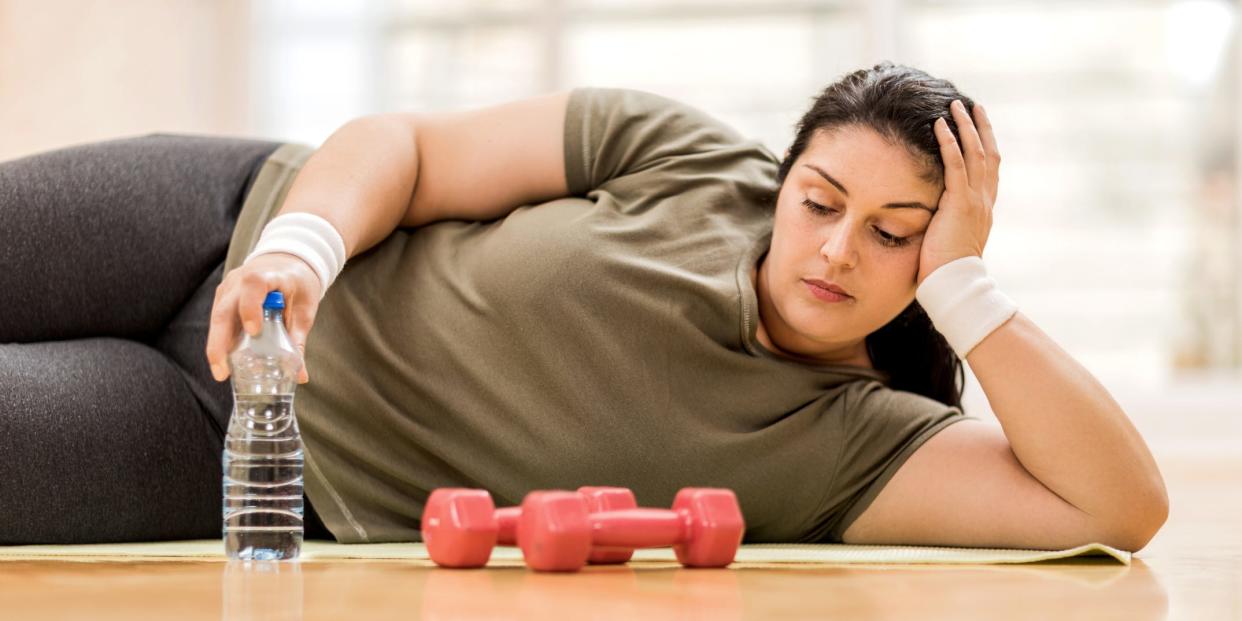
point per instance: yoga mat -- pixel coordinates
(749, 555)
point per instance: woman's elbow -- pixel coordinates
(1134, 531)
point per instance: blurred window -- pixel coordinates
(1101, 231)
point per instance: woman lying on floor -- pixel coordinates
(591, 287)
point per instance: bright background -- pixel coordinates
(1118, 227)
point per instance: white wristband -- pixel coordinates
(964, 303)
(309, 237)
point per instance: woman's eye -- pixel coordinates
(892, 240)
(816, 207)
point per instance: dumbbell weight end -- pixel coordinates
(459, 527)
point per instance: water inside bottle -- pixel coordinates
(263, 480)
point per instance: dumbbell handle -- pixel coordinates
(507, 521)
(639, 528)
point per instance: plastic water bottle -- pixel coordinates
(263, 448)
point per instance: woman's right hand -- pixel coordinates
(239, 304)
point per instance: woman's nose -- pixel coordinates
(839, 247)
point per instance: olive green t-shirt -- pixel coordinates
(604, 338)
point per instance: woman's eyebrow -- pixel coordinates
(906, 205)
(828, 177)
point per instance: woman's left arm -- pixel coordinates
(1062, 424)
(1066, 429)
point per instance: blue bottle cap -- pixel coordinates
(275, 301)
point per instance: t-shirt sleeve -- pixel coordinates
(613, 136)
(880, 429)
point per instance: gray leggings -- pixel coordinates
(111, 426)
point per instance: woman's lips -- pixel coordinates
(826, 295)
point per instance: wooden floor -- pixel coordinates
(1192, 570)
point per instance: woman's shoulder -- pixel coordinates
(612, 133)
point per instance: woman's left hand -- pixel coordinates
(963, 219)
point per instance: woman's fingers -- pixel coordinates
(220, 334)
(988, 137)
(955, 176)
(239, 306)
(254, 288)
(300, 319)
(971, 144)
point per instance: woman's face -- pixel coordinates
(851, 212)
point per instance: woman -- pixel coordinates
(609, 287)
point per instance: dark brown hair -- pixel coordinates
(900, 103)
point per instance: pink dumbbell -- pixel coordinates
(460, 526)
(557, 530)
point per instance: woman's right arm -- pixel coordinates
(384, 171)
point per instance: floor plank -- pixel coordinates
(1191, 570)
